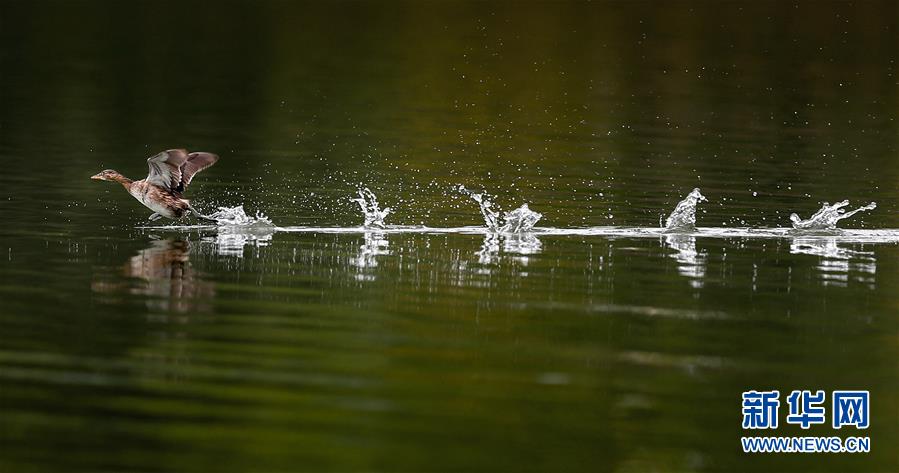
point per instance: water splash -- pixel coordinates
(237, 230)
(520, 220)
(684, 215)
(828, 216)
(491, 217)
(374, 216)
(237, 217)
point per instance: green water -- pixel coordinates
(124, 348)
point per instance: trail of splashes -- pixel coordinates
(374, 216)
(828, 216)
(684, 215)
(520, 220)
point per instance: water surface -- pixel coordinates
(332, 347)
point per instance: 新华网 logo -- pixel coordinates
(761, 410)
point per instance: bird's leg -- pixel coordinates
(154, 217)
(200, 215)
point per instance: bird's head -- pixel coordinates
(107, 175)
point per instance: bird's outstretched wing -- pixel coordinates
(165, 169)
(196, 162)
(175, 168)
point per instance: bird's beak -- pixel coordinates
(98, 177)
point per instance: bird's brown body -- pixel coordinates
(170, 173)
(159, 200)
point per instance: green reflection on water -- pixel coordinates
(132, 349)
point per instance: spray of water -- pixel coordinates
(235, 230)
(520, 220)
(828, 216)
(237, 217)
(684, 215)
(374, 216)
(491, 217)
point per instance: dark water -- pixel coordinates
(124, 348)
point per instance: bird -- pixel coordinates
(162, 190)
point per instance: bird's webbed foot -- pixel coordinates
(154, 217)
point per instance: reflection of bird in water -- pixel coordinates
(166, 276)
(170, 173)
(163, 260)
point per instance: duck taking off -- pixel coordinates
(161, 191)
